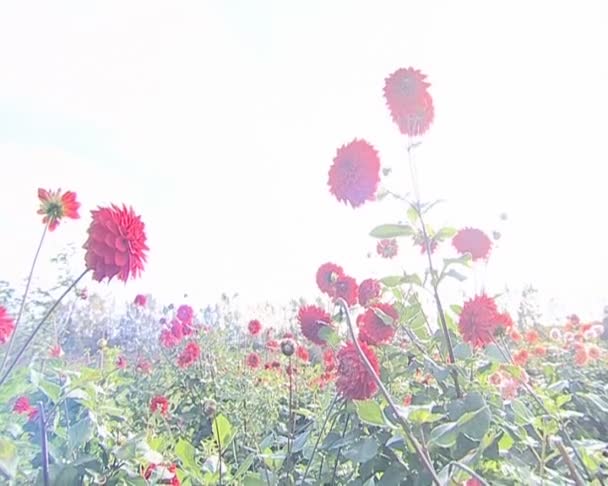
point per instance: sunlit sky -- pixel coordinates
(218, 122)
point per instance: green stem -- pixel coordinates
(39, 326)
(408, 433)
(23, 299)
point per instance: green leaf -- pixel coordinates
(50, 389)
(475, 424)
(412, 215)
(254, 479)
(493, 352)
(244, 466)
(80, 432)
(370, 412)
(391, 231)
(362, 450)
(523, 416)
(454, 274)
(8, 457)
(505, 442)
(444, 233)
(462, 351)
(186, 453)
(222, 431)
(392, 280)
(445, 435)
(329, 335)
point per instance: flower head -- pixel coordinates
(144, 366)
(121, 362)
(168, 339)
(254, 327)
(253, 360)
(327, 276)
(55, 206)
(313, 319)
(185, 314)
(288, 347)
(159, 404)
(372, 328)
(347, 289)
(329, 360)
(140, 300)
(116, 244)
(22, 406)
(407, 98)
(355, 173)
(56, 351)
(189, 355)
(369, 291)
(354, 381)
(480, 320)
(7, 325)
(473, 241)
(302, 353)
(387, 248)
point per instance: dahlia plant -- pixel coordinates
(381, 381)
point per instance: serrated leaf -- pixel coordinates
(445, 435)
(391, 231)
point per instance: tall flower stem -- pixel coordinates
(404, 425)
(39, 326)
(417, 206)
(9, 348)
(44, 446)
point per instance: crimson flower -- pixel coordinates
(312, 319)
(410, 104)
(178, 329)
(7, 325)
(116, 244)
(387, 248)
(159, 404)
(185, 314)
(121, 362)
(354, 382)
(372, 329)
(473, 241)
(168, 339)
(329, 360)
(55, 206)
(189, 355)
(140, 300)
(302, 353)
(56, 351)
(355, 173)
(347, 288)
(327, 276)
(22, 406)
(254, 327)
(144, 366)
(369, 291)
(253, 360)
(272, 345)
(480, 320)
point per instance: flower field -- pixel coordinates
(380, 381)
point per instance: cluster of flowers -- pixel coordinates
(163, 474)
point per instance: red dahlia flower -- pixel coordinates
(372, 329)
(387, 248)
(189, 355)
(159, 404)
(347, 288)
(22, 406)
(144, 366)
(55, 206)
(327, 276)
(354, 381)
(369, 291)
(253, 360)
(355, 173)
(7, 325)
(312, 319)
(185, 314)
(410, 104)
(473, 241)
(254, 327)
(140, 300)
(302, 353)
(329, 360)
(168, 339)
(272, 345)
(121, 362)
(116, 245)
(480, 320)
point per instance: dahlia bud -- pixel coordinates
(210, 408)
(288, 346)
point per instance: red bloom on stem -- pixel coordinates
(354, 381)
(272, 345)
(473, 241)
(144, 366)
(327, 276)
(159, 404)
(480, 319)
(185, 314)
(55, 206)
(116, 245)
(56, 351)
(387, 248)
(121, 362)
(7, 325)
(369, 291)
(521, 357)
(254, 327)
(313, 319)
(407, 98)
(253, 360)
(347, 288)
(140, 300)
(355, 173)
(178, 330)
(168, 339)
(189, 355)
(302, 353)
(373, 329)
(22, 406)
(329, 360)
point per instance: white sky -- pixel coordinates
(218, 122)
